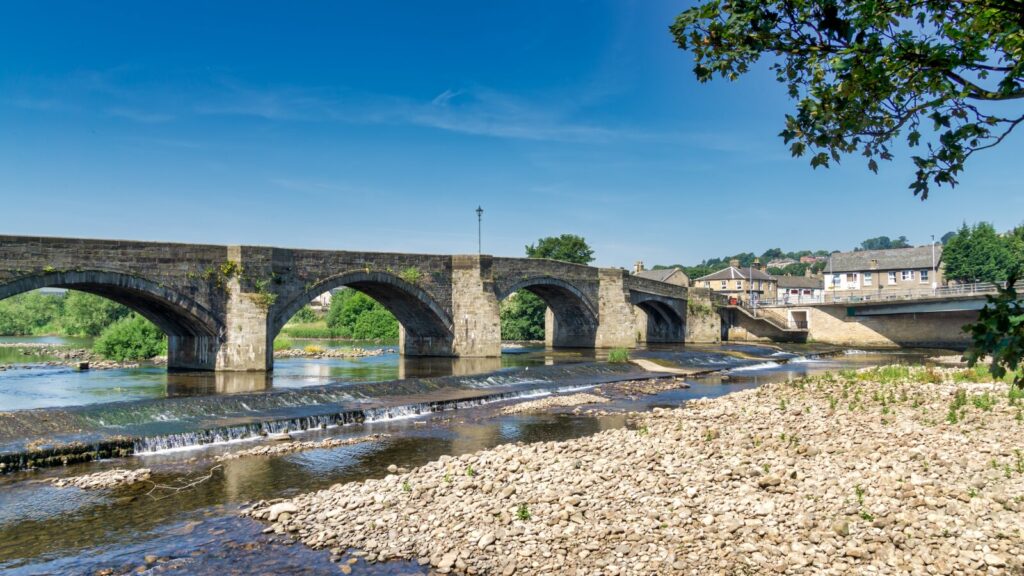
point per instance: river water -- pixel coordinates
(180, 423)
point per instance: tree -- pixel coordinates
(946, 237)
(567, 248)
(999, 332)
(977, 254)
(522, 313)
(88, 315)
(30, 313)
(883, 243)
(131, 338)
(865, 74)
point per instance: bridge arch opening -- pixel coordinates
(424, 328)
(193, 332)
(570, 320)
(663, 323)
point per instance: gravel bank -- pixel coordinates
(553, 402)
(860, 473)
(289, 447)
(107, 479)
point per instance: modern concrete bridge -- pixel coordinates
(222, 306)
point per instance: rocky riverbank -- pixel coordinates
(69, 357)
(289, 447)
(889, 471)
(106, 479)
(321, 352)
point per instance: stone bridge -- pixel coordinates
(222, 306)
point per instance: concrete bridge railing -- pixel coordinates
(222, 306)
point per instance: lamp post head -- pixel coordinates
(479, 212)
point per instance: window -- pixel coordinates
(907, 275)
(835, 279)
(707, 283)
(924, 276)
(739, 284)
(867, 278)
(892, 277)
(851, 278)
(725, 285)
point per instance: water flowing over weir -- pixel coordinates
(82, 433)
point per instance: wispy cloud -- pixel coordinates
(140, 116)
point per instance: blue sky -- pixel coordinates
(382, 125)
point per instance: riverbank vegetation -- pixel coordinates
(352, 316)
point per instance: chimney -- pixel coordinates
(874, 264)
(807, 272)
(638, 267)
(757, 264)
(735, 263)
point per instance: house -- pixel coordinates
(742, 284)
(781, 263)
(868, 272)
(799, 289)
(811, 259)
(670, 275)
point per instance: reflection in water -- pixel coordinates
(206, 383)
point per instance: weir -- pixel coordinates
(222, 306)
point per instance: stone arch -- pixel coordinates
(573, 319)
(194, 333)
(665, 321)
(173, 312)
(426, 329)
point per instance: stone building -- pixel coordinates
(742, 284)
(871, 272)
(673, 275)
(799, 289)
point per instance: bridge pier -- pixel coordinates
(246, 344)
(476, 330)
(616, 326)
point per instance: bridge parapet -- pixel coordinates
(222, 306)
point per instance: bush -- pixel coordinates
(356, 315)
(282, 343)
(522, 317)
(131, 338)
(375, 324)
(618, 355)
(305, 315)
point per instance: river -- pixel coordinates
(428, 408)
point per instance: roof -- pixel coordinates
(733, 273)
(661, 275)
(800, 282)
(893, 259)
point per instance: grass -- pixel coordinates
(316, 329)
(618, 355)
(523, 513)
(282, 343)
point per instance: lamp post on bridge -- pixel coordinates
(479, 228)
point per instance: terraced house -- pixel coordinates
(749, 284)
(877, 272)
